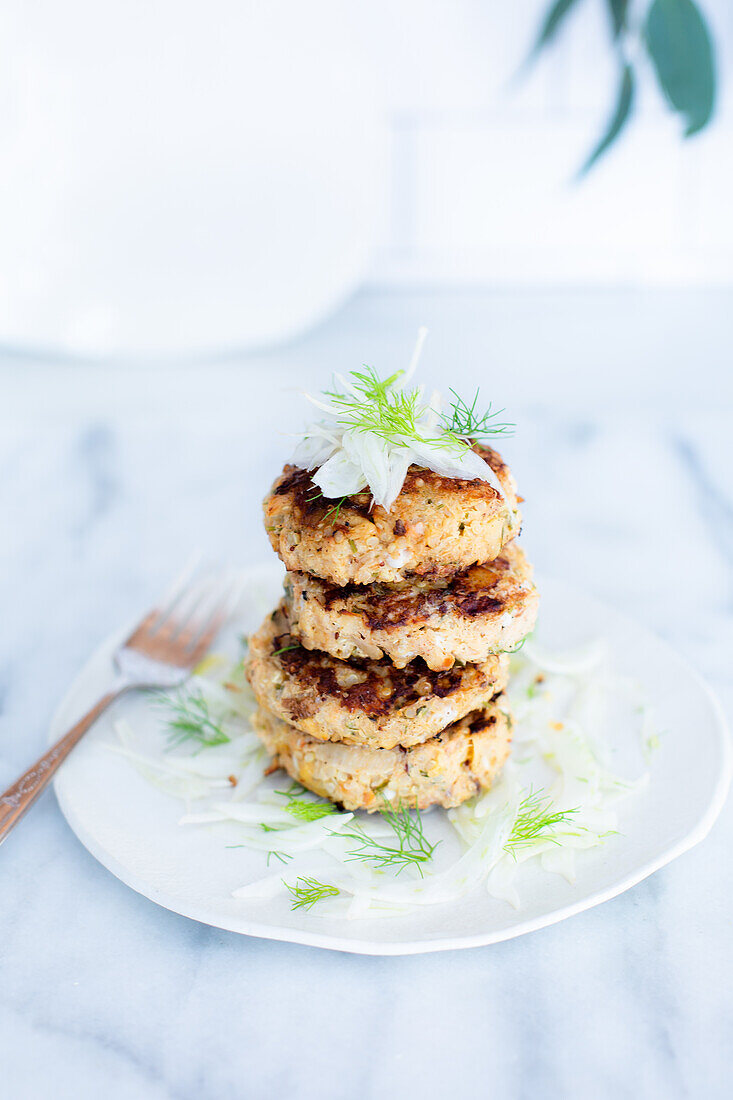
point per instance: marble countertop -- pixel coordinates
(110, 475)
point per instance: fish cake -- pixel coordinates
(444, 771)
(362, 702)
(437, 526)
(488, 608)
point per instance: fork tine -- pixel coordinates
(207, 598)
(181, 582)
(192, 615)
(187, 610)
(203, 642)
(166, 605)
(207, 629)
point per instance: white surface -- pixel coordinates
(133, 829)
(230, 161)
(624, 452)
(179, 179)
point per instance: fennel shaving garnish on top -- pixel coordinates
(374, 429)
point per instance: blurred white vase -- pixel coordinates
(181, 177)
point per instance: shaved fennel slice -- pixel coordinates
(340, 476)
(194, 776)
(403, 379)
(375, 428)
(281, 835)
(384, 465)
(262, 889)
(179, 783)
(253, 813)
(500, 883)
(347, 905)
(467, 871)
(251, 776)
(577, 663)
(465, 464)
(358, 907)
(574, 687)
(316, 448)
(583, 778)
(236, 699)
(560, 861)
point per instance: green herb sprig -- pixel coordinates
(411, 847)
(536, 820)
(190, 719)
(284, 857)
(467, 421)
(334, 510)
(306, 892)
(305, 809)
(372, 405)
(400, 416)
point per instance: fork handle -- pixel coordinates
(22, 794)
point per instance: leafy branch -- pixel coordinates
(677, 41)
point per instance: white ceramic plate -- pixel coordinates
(132, 828)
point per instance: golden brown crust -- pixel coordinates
(436, 526)
(444, 771)
(485, 609)
(364, 701)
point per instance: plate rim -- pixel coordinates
(333, 942)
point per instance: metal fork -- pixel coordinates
(160, 653)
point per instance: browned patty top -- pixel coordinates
(311, 508)
(373, 687)
(484, 719)
(472, 593)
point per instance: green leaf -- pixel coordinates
(551, 25)
(680, 47)
(618, 10)
(620, 117)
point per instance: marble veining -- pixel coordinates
(714, 505)
(108, 478)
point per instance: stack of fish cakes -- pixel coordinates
(382, 673)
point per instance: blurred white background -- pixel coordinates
(182, 178)
(484, 162)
